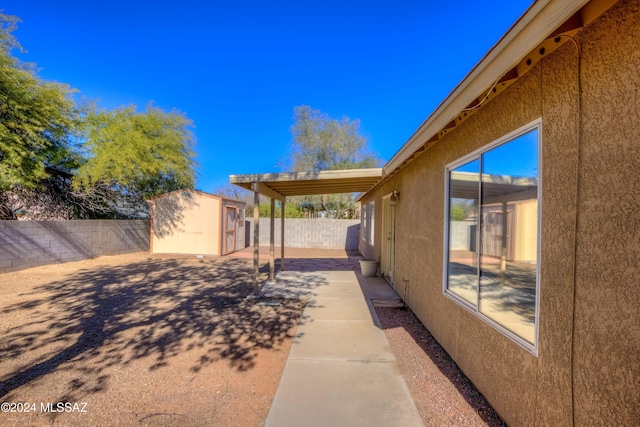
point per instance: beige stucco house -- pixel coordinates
(198, 223)
(509, 222)
(537, 300)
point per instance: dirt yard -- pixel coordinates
(138, 340)
(147, 340)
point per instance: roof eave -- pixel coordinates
(535, 25)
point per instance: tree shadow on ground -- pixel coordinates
(95, 320)
(318, 264)
(303, 277)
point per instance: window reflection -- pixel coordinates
(493, 234)
(463, 212)
(509, 242)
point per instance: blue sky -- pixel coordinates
(237, 69)
(517, 157)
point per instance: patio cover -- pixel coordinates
(281, 185)
(278, 186)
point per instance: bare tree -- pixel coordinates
(322, 143)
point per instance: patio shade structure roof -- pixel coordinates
(281, 185)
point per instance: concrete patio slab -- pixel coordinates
(337, 308)
(341, 340)
(329, 394)
(312, 285)
(376, 288)
(341, 370)
(337, 275)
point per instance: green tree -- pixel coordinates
(63, 160)
(141, 155)
(37, 119)
(322, 143)
(291, 210)
(457, 213)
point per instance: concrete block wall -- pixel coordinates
(321, 233)
(26, 244)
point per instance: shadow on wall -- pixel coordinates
(140, 236)
(351, 242)
(168, 212)
(24, 243)
(65, 237)
(98, 320)
(61, 237)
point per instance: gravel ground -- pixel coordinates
(443, 395)
(147, 340)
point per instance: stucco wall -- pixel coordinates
(26, 244)
(186, 222)
(585, 373)
(607, 314)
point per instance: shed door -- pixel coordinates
(230, 224)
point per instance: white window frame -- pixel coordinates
(531, 348)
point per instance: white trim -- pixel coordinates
(531, 348)
(510, 136)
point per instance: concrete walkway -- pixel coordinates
(341, 370)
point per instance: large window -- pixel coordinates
(492, 236)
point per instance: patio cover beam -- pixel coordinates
(256, 244)
(278, 186)
(281, 185)
(272, 261)
(282, 210)
(261, 188)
